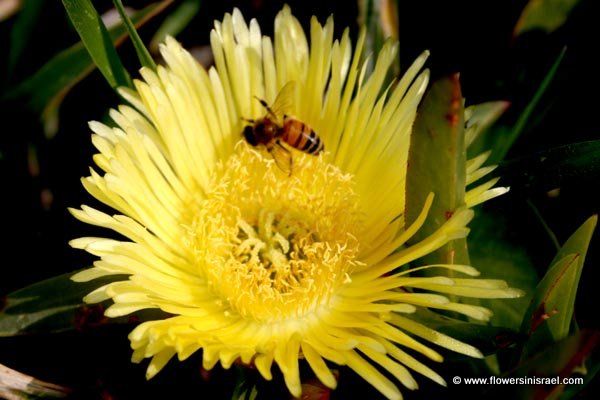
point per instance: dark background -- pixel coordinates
(40, 177)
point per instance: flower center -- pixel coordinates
(275, 246)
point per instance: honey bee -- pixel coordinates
(278, 127)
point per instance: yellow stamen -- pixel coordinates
(275, 246)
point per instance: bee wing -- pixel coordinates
(284, 102)
(281, 155)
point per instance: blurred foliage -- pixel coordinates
(47, 88)
(525, 66)
(500, 138)
(175, 22)
(380, 19)
(21, 31)
(548, 15)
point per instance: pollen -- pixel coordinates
(272, 245)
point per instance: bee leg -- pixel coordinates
(252, 121)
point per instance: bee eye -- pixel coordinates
(249, 135)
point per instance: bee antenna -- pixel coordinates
(262, 102)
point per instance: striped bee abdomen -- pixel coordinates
(301, 136)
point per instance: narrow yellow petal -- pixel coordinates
(435, 337)
(372, 375)
(452, 229)
(318, 366)
(412, 363)
(397, 370)
(158, 362)
(263, 364)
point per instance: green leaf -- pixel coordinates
(21, 31)
(437, 163)
(51, 83)
(97, 41)
(141, 51)
(175, 22)
(497, 257)
(547, 15)
(56, 305)
(550, 312)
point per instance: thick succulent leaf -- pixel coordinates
(56, 305)
(97, 41)
(547, 15)
(550, 312)
(437, 163)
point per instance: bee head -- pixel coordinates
(249, 135)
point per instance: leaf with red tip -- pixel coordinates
(550, 312)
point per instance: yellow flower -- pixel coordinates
(253, 262)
